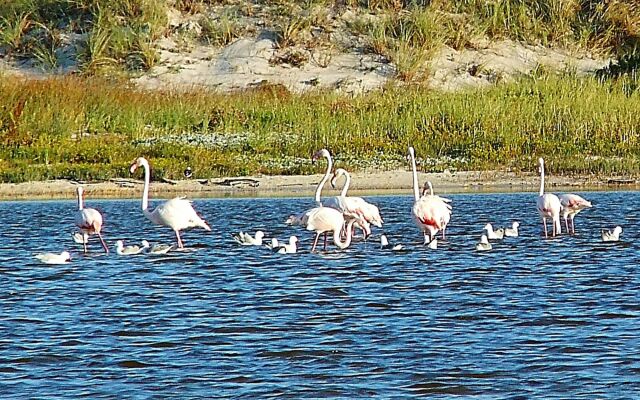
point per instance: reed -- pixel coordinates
(91, 129)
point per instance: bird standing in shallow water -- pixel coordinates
(572, 204)
(548, 205)
(89, 220)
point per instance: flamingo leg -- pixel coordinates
(104, 245)
(553, 223)
(315, 242)
(325, 241)
(573, 225)
(84, 244)
(443, 229)
(566, 224)
(544, 222)
(180, 245)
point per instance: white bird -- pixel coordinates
(384, 244)
(491, 234)
(352, 205)
(246, 239)
(80, 238)
(430, 213)
(177, 213)
(327, 219)
(427, 189)
(54, 258)
(572, 204)
(89, 220)
(611, 235)
(484, 244)
(123, 250)
(433, 244)
(340, 203)
(286, 248)
(513, 231)
(548, 205)
(156, 248)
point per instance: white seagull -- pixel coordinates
(385, 245)
(54, 258)
(491, 234)
(611, 235)
(123, 250)
(513, 231)
(484, 244)
(246, 239)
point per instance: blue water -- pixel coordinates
(533, 318)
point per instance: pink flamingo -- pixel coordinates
(177, 213)
(326, 219)
(89, 220)
(446, 216)
(548, 205)
(355, 206)
(429, 212)
(572, 204)
(336, 202)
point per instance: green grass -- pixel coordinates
(92, 129)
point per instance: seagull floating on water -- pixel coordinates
(611, 235)
(123, 250)
(54, 258)
(285, 248)
(513, 231)
(80, 238)
(491, 234)
(484, 244)
(156, 248)
(246, 239)
(384, 244)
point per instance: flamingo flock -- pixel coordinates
(336, 217)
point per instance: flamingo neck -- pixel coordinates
(347, 182)
(416, 190)
(324, 179)
(80, 202)
(145, 191)
(430, 189)
(541, 179)
(347, 242)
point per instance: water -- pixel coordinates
(557, 318)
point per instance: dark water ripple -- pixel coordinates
(533, 318)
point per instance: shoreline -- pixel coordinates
(376, 182)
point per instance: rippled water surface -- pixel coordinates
(557, 318)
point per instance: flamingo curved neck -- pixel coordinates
(324, 179)
(416, 190)
(430, 189)
(541, 179)
(347, 242)
(347, 182)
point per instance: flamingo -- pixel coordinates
(611, 235)
(429, 187)
(338, 202)
(246, 239)
(430, 213)
(356, 205)
(491, 234)
(548, 204)
(513, 231)
(123, 250)
(89, 220)
(54, 258)
(572, 204)
(177, 213)
(484, 244)
(327, 219)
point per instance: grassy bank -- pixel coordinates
(92, 129)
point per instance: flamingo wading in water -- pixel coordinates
(548, 205)
(355, 206)
(89, 220)
(177, 213)
(430, 213)
(572, 204)
(429, 187)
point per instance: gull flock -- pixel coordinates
(335, 217)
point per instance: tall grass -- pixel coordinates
(90, 129)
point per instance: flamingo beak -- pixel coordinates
(133, 167)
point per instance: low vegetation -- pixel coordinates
(91, 129)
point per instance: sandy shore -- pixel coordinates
(385, 182)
